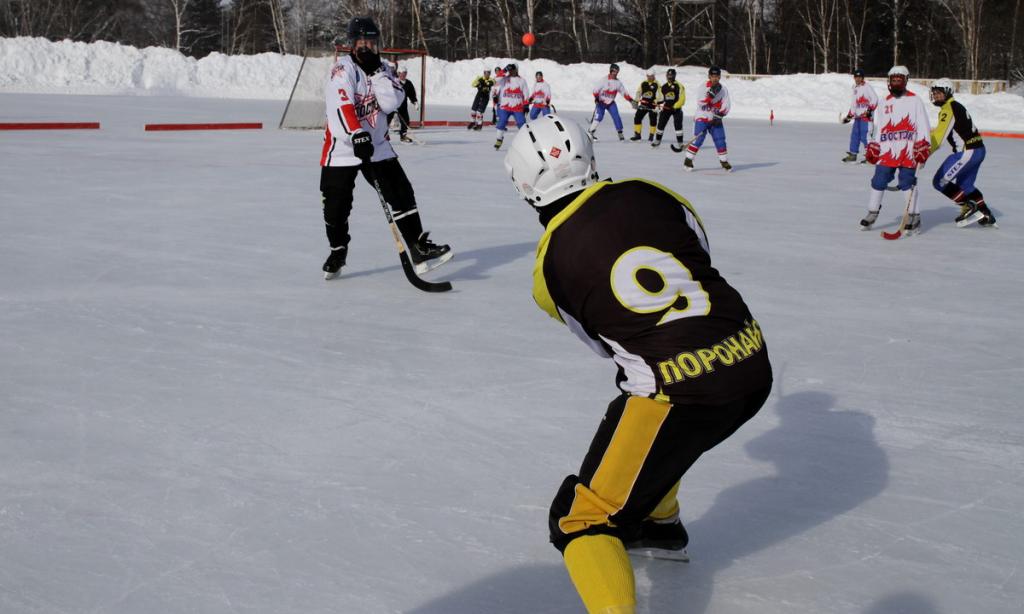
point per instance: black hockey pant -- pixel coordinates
(403, 117)
(640, 452)
(641, 113)
(677, 120)
(337, 184)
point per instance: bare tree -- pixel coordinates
(967, 16)
(818, 18)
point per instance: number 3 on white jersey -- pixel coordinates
(676, 281)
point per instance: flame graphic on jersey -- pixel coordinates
(367, 108)
(904, 125)
(905, 150)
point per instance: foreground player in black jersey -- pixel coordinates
(625, 265)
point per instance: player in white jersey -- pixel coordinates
(901, 143)
(359, 95)
(540, 99)
(604, 100)
(862, 108)
(510, 94)
(711, 108)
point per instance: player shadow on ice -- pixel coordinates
(903, 602)
(735, 167)
(537, 589)
(827, 461)
(465, 266)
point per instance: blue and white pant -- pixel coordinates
(613, 110)
(859, 134)
(504, 114)
(701, 129)
(960, 169)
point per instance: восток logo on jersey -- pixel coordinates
(555, 152)
(367, 108)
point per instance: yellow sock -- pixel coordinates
(600, 569)
(668, 507)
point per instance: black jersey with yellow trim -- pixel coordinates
(672, 94)
(626, 265)
(956, 127)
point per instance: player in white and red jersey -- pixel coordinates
(540, 99)
(901, 142)
(359, 94)
(510, 93)
(862, 107)
(711, 108)
(604, 100)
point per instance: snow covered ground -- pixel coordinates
(36, 65)
(193, 421)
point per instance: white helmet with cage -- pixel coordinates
(551, 157)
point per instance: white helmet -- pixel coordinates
(550, 158)
(900, 70)
(945, 85)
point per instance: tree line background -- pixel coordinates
(973, 39)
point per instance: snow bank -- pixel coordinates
(36, 65)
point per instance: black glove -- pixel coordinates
(716, 120)
(362, 145)
(367, 60)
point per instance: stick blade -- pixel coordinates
(419, 282)
(892, 236)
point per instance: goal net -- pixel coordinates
(305, 108)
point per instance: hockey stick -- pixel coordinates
(892, 236)
(410, 272)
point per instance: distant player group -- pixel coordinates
(659, 103)
(903, 142)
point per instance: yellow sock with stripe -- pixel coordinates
(600, 569)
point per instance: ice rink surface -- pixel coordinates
(193, 421)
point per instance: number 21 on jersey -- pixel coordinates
(675, 281)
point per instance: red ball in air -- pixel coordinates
(529, 39)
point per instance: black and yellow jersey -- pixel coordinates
(955, 127)
(672, 94)
(626, 266)
(483, 85)
(647, 93)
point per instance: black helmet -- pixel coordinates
(511, 68)
(858, 72)
(671, 73)
(614, 67)
(362, 27)
(714, 70)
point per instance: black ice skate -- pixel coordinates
(635, 137)
(726, 166)
(593, 135)
(972, 214)
(869, 220)
(334, 262)
(688, 164)
(471, 126)
(988, 220)
(406, 139)
(621, 137)
(427, 255)
(478, 127)
(660, 540)
(850, 157)
(497, 144)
